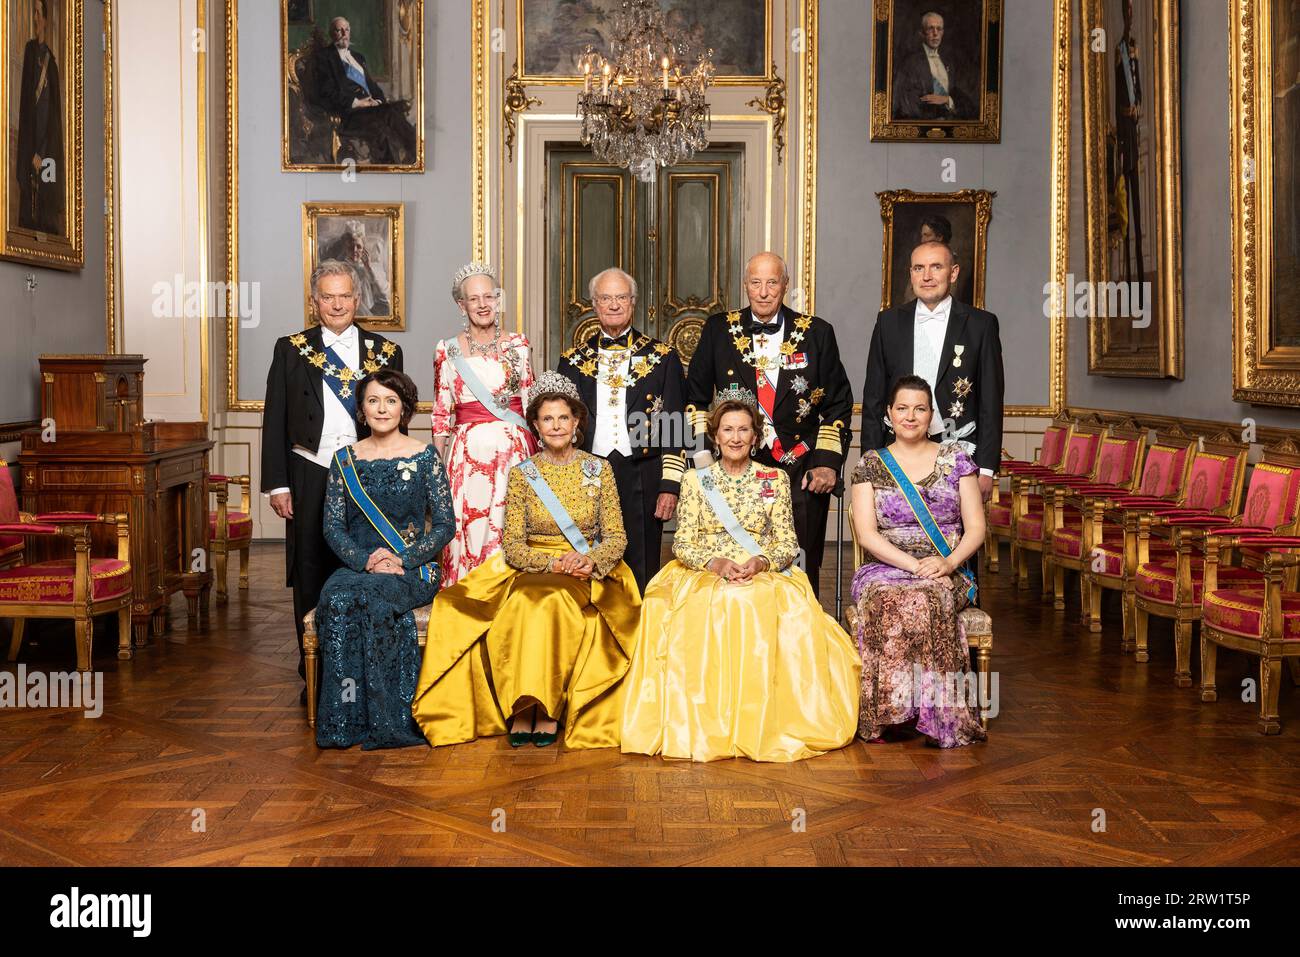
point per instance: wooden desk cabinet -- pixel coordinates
(156, 474)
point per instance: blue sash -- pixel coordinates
(342, 390)
(357, 492)
(924, 518)
(722, 511)
(482, 392)
(553, 505)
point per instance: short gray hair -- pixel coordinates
(785, 270)
(611, 271)
(332, 267)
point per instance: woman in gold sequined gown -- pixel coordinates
(735, 656)
(540, 634)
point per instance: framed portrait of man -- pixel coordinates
(1265, 48)
(41, 190)
(552, 34)
(352, 85)
(959, 219)
(369, 238)
(937, 71)
(1129, 61)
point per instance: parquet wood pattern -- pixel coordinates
(208, 719)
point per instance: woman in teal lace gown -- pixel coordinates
(370, 658)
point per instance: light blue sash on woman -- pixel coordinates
(553, 504)
(482, 392)
(722, 511)
(357, 492)
(923, 516)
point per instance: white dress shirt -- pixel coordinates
(339, 428)
(611, 416)
(939, 71)
(927, 350)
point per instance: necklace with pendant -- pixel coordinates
(489, 349)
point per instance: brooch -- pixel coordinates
(591, 476)
(407, 469)
(766, 478)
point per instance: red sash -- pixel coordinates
(767, 399)
(473, 413)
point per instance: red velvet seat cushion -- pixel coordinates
(52, 582)
(999, 514)
(1113, 554)
(1068, 541)
(1241, 611)
(238, 524)
(1156, 579)
(1030, 527)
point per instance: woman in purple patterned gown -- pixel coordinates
(915, 665)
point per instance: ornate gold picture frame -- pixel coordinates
(370, 238)
(322, 126)
(936, 71)
(1266, 202)
(965, 214)
(41, 175)
(551, 34)
(1133, 302)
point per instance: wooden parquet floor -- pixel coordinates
(203, 756)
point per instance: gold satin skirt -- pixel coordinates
(726, 670)
(501, 640)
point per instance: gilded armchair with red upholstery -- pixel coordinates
(230, 530)
(1076, 513)
(1213, 484)
(1261, 619)
(999, 523)
(1171, 585)
(1095, 547)
(1078, 464)
(80, 587)
(11, 546)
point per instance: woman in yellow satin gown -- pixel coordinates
(542, 632)
(735, 656)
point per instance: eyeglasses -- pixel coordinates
(606, 299)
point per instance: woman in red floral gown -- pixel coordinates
(479, 440)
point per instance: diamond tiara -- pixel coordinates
(468, 270)
(551, 382)
(734, 393)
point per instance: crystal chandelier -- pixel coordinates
(639, 110)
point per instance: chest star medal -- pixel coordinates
(956, 409)
(962, 387)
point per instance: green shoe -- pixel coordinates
(543, 739)
(518, 739)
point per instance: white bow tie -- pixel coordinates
(923, 315)
(348, 338)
